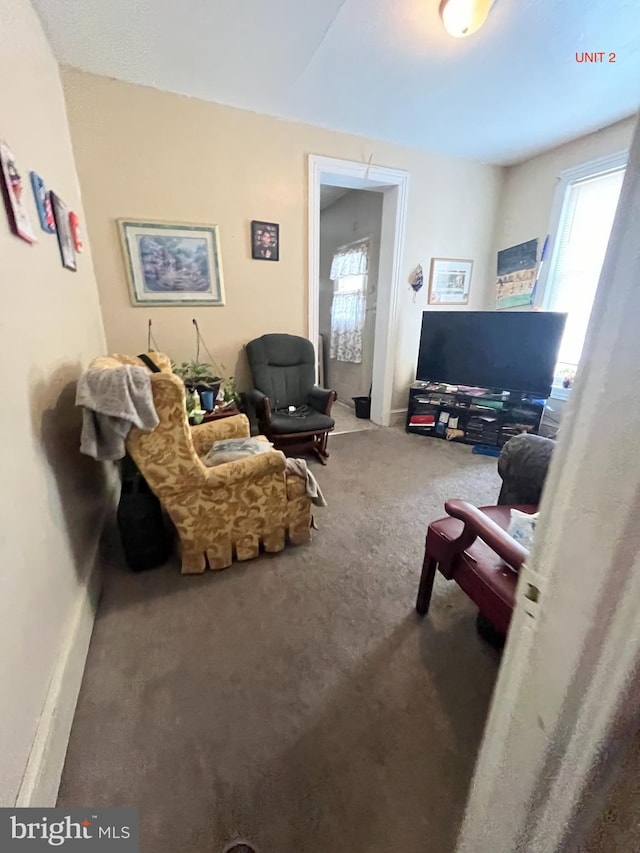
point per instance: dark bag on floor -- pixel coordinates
(143, 532)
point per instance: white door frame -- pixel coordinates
(394, 184)
(565, 707)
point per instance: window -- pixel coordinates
(588, 198)
(349, 270)
(350, 284)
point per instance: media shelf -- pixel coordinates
(471, 416)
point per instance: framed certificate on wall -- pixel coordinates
(449, 281)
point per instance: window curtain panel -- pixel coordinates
(348, 310)
(352, 260)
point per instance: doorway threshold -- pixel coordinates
(346, 420)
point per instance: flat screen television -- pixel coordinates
(501, 350)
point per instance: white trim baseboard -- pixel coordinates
(397, 417)
(41, 779)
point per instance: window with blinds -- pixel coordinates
(583, 233)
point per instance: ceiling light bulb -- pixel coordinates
(463, 17)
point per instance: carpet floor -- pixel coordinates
(296, 700)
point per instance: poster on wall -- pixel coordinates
(516, 275)
(14, 196)
(43, 204)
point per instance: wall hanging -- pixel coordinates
(516, 275)
(76, 233)
(13, 193)
(63, 230)
(416, 280)
(172, 264)
(265, 241)
(43, 204)
(449, 281)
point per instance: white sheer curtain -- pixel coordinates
(349, 270)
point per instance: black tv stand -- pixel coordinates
(471, 415)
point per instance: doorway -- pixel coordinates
(391, 188)
(350, 228)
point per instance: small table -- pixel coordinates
(217, 414)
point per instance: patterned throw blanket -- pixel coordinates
(113, 401)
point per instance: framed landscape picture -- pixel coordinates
(172, 264)
(449, 281)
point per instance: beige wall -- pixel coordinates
(51, 501)
(354, 216)
(525, 203)
(150, 154)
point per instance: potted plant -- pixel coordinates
(199, 376)
(229, 390)
(207, 378)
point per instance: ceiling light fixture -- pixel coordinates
(463, 17)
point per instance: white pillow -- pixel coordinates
(232, 449)
(523, 527)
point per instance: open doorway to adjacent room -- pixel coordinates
(357, 215)
(350, 228)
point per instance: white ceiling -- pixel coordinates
(384, 69)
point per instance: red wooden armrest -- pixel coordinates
(476, 523)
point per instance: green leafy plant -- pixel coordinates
(206, 376)
(198, 375)
(229, 389)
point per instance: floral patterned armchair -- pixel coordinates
(221, 510)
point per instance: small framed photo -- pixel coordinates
(265, 241)
(14, 196)
(43, 204)
(171, 263)
(63, 230)
(449, 281)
